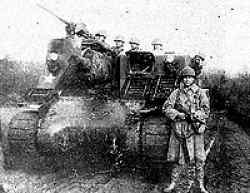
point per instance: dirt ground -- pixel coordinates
(227, 171)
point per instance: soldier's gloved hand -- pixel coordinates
(181, 116)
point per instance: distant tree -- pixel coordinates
(15, 80)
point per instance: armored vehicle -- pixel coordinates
(89, 99)
(71, 106)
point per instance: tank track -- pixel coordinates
(20, 143)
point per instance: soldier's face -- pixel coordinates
(119, 43)
(188, 80)
(197, 60)
(157, 47)
(100, 38)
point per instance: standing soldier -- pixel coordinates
(119, 45)
(157, 46)
(134, 44)
(188, 108)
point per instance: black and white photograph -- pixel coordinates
(124, 96)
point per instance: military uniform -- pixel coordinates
(118, 49)
(118, 63)
(186, 143)
(70, 30)
(134, 49)
(135, 44)
(196, 64)
(118, 52)
(77, 33)
(157, 47)
(101, 36)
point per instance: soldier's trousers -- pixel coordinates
(184, 149)
(187, 151)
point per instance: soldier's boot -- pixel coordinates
(190, 175)
(170, 188)
(200, 178)
(174, 177)
(202, 187)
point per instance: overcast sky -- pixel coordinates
(218, 28)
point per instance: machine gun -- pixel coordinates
(190, 118)
(70, 26)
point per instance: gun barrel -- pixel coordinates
(50, 12)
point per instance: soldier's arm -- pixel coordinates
(203, 113)
(168, 106)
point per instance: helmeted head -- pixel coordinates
(200, 57)
(188, 76)
(119, 41)
(101, 35)
(157, 44)
(134, 43)
(81, 29)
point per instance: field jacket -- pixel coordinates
(194, 100)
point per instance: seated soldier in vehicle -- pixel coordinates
(119, 45)
(196, 64)
(81, 31)
(134, 44)
(77, 33)
(101, 36)
(188, 107)
(70, 30)
(119, 63)
(157, 47)
(81, 34)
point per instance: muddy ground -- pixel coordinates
(227, 171)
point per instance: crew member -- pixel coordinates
(157, 46)
(134, 44)
(196, 64)
(119, 45)
(101, 36)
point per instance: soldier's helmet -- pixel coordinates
(157, 41)
(119, 38)
(101, 33)
(134, 40)
(187, 71)
(81, 27)
(201, 56)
